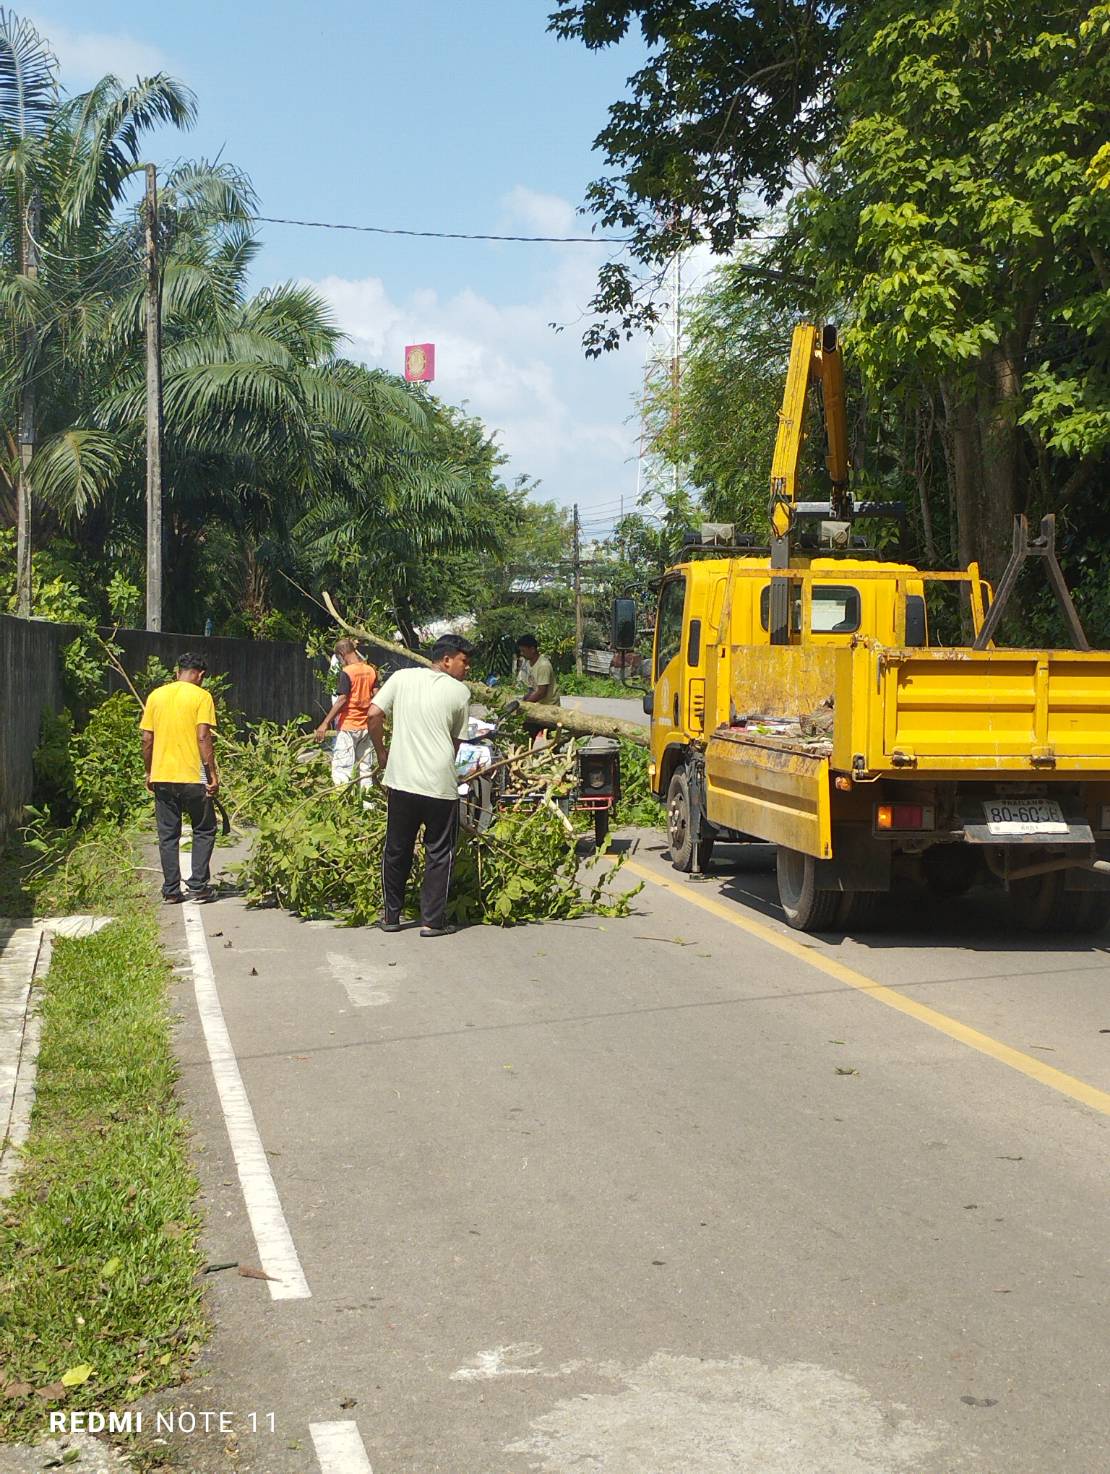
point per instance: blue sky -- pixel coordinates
(428, 114)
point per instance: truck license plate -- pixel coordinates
(1024, 816)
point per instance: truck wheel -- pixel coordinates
(1041, 904)
(806, 908)
(1033, 900)
(1083, 912)
(950, 870)
(680, 827)
(860, 910)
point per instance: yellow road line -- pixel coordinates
(1025, 1064)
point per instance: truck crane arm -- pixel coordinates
(814, 359)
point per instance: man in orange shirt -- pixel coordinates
(177, 724)
(357, 683)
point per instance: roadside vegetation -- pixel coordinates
(99, 1299)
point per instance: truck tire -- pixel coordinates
(1041, 904)
(1083, 912)
(805, 907)
(860, 910)
(685, 846)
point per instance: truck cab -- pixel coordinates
(714, 607)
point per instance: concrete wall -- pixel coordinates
(30, 682)
(268, 679)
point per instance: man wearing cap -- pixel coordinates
(177, 725)
(429, 707)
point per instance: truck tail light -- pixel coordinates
(905, 816)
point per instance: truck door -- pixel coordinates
(668, 666)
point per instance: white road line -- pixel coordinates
(276, 1252)
(339, 1448)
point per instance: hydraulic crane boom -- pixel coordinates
(814, 359)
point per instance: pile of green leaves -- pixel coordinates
(316, 848)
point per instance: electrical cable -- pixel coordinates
(463, 235)
(451, 235)
(73, 260)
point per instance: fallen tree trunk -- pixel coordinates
(583, 723)
(580, 723)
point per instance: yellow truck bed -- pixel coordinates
(961, 714)
(960, 710)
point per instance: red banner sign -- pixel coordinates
(420, 363)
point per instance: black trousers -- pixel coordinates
(171, 800)
(440, 820)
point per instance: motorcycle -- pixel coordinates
(480, 767)
(488, 783)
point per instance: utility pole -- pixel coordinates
(26, 428)
(153, 407)
(577, 593)
(676, 357)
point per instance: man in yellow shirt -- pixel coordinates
(177, 725)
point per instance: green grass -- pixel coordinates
(98, 1245)
(575, 685)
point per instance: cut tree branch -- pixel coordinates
(580, 723)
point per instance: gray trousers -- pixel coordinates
(171, 801)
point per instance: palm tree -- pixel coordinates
(64, 168)
(279, 455)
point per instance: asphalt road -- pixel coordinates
(631, 710)
(662, 1195)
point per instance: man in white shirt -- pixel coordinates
(429, 709)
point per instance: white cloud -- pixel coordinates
(533, 213)
(86, 56)
(558, 416)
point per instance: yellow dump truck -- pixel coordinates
(815, 700)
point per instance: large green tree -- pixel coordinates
(944, 170)
(965, 219)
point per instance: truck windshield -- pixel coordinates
(836, 609)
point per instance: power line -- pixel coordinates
(114, 245)
(451, 235)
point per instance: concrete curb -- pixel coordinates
(26, 948)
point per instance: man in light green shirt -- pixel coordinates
(429, 708)
(538, 672)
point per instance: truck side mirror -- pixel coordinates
(624, 624)
(649, 704)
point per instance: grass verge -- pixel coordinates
(99, 1301)
(633, 689)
